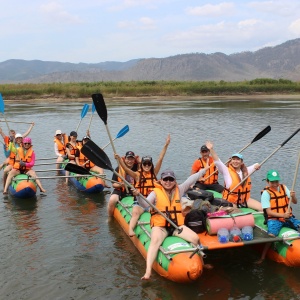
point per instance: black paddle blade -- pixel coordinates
(76, 169)
(262, 134)
(100, 107)
(96, 155)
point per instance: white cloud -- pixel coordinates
(211, 10)
(295, 27)
(55, 11)
(143, 23)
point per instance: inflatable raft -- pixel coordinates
(87, 184)
(23, 186)
(174, 261)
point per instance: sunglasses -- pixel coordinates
(171, 179)
(27, 144)
(147, 164)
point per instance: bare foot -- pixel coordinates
(208, 266)
(131, 233)
(43, 190)
(258, 262)
(146, 277)
(5, 193)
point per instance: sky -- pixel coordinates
(93, 31)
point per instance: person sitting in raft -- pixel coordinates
(83, 161)
(210, 179)
(60, 142)
(11, 138)
(71, 149)
(120, 189)
(233, 175)
(144, 180)
(24, 161)
(275, 199)
(10, 160)
(165, 196)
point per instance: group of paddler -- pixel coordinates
(162, 197)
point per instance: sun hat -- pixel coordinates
(168, 173)
(273, 175)
(18, 135)
(57, 132)
(27, 140)
(240, 156)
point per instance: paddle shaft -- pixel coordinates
(266, 159)
(256, 138)
(107, 144)
(294, 180)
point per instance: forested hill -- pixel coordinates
(282, 61)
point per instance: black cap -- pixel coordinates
(129, 154)
(147, 158)
(86, 137)
(73, 133)
(204, 148)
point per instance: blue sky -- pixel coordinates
(92, 31)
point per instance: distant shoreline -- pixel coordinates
(160, 98)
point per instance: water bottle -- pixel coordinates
(247, 233)
(223, 235)
(235, 234)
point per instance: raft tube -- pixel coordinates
(88, 184)
(173, 260)
(23, 186)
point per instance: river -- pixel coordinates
(62, 246)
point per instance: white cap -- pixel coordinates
(18, 135)
(57, 132)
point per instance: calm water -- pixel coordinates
(61, 246)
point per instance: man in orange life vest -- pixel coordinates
(210, 179)
(60, 142)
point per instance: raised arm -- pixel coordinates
(162, 155)
(131, 173)
(213, 153)
(29, 130)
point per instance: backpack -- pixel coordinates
(196, 220)
(200, 194)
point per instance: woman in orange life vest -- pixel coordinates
(60, 142)
(233, 175)
(275, 201)
(82, 161)
(210, 183)
(24, 161)
(166, 196)
(131, 161)
(71, 149)
(144, 183)
(12, 150)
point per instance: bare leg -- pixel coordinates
(264, 253)
(33, 175)
(67, 172)
(7, 169)
(114, 198)
(158, 234)
(10, 175)
(58, 165)
(136, 212)
(254, 204)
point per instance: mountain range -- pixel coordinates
(281, 61)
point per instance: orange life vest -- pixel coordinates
(12, 157)
(61, 147)
(25, 158)
(83, 159)
(242, 193)
(171, 208)
(279, 201)
(212, 168)
(146, 183)
(73, 150)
